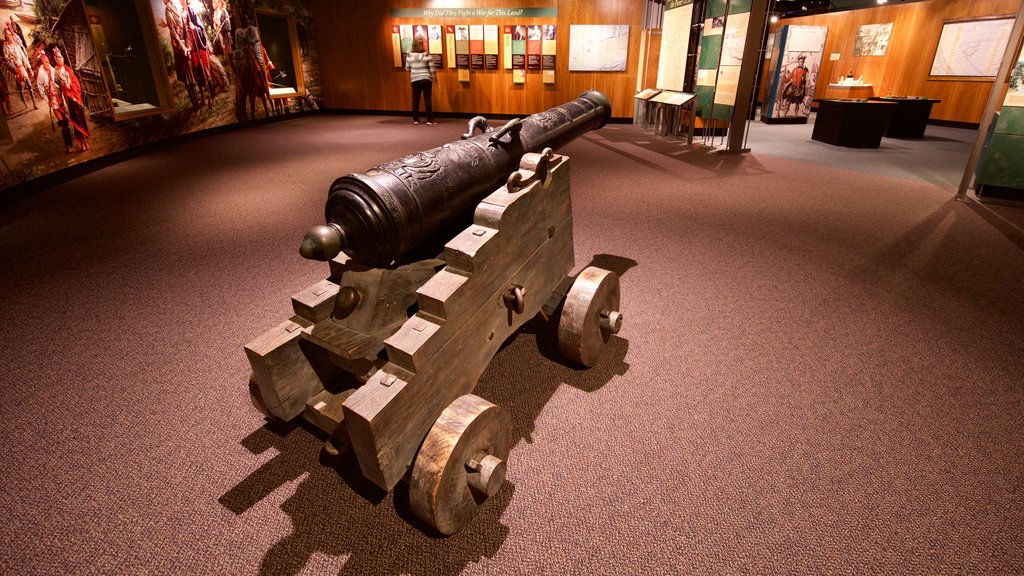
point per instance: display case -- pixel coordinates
(280, 40)
(852, 123)
(122, 33)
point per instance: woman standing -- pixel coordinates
(421, 72)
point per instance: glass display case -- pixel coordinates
(279, 38)
(122, 32)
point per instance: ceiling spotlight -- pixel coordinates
(803, 7)
(774, 18)
(882, 1)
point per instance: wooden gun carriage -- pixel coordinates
(384, 354)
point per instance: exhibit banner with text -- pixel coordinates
(675, 43)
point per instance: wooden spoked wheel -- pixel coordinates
(590, 315)
(461, 463)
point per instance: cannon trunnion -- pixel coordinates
(384, 359)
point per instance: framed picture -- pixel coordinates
(971, 48)
(872, 39)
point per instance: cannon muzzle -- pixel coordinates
(411, 204)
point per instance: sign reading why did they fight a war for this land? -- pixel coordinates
(474, 12)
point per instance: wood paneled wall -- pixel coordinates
(357, 72)
(903, 71)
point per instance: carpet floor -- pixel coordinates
(821, 370)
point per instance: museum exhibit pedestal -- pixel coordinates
(910, 118)
(670, 109)
(643, 110)
(852, 123)
(835, 91)
(784, 120)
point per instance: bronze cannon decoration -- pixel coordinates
(436, 259)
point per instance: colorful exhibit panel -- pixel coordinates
(462, 51)
(476, 46)
(710, 54)
(533, 47)
(518, 54)
(793, 73)
(734, 39)
(548, 53)
(435, 45)
(403, 36)
(491, 47)
(474, 43)
(449, 42)
(721, 57)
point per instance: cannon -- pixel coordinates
(435, 259)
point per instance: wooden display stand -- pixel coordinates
(856, 91)
(643, 110)
(397, 388)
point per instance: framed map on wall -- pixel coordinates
(601, 48)
(971, 48)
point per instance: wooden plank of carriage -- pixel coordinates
(439, 354)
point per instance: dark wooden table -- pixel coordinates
(911, 117)
(852, 123)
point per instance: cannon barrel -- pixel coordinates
(406, 204)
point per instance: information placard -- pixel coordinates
(491, 47)
(461, 46)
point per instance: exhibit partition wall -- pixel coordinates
(721, 57)
(1001, 165)
(946, 50)
(88, 78)
(493, 56)
(793, 73)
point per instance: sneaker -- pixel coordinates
(431, 123)
(416, 122)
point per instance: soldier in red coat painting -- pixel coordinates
(794, 89)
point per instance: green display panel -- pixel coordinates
(710, 52)
(722, 112)
(1011, 121)
(1003, 164)
(705, 96)
(717, 8)
(739, 6)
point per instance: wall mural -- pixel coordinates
(86, 78)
